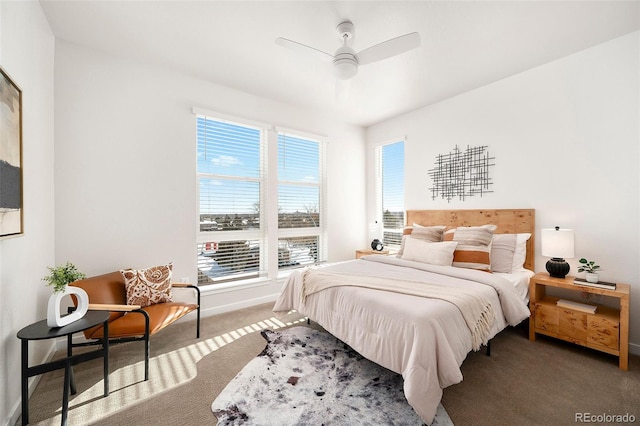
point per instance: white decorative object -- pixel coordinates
(591, 277)
(54, 319)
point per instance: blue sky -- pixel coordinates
(393, 177)
(233, 151)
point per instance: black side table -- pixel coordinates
(40, 331)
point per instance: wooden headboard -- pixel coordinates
(508, 221)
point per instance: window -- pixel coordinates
(300, 172)
(240, 193)
(391, 191)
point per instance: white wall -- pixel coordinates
(126, 163)
(26, 54)
(566, 140)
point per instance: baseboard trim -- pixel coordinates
(216, 310)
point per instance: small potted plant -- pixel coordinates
(60, 276)
(590, 269)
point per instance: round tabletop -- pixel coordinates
(40, 330)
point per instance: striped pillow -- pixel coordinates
(431, 234)
(474, 246)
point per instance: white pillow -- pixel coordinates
(503, 247)
(520, 254)
(432, 253)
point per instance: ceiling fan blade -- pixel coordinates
(389, 48)
(290, 44)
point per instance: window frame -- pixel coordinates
(316, 231)
(378, 227)
(269, 241)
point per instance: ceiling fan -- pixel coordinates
(345, 60)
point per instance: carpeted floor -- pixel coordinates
(546, 382)
(525, 383)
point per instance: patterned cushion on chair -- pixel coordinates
(148, 286)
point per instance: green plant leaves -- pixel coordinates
(60, 276)
(588, 266)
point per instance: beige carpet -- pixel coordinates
(546, 382)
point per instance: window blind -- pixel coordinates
(300, 201)
(230, 187)
(392, 192)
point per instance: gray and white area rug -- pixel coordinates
(308, 377)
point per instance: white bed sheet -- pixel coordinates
(520, 281)
(426, 340)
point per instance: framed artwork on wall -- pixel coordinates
(11, 214)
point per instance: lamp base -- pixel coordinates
(558, 267)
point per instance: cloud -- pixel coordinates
(225, 161)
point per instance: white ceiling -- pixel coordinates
(465, 45)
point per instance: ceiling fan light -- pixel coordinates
(345, 68)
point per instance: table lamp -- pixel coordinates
(557, 244)
(375, 231)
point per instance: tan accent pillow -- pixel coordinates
(148, 286)
(474, 246)
(440, 253)
(503, 248)
(432, 234)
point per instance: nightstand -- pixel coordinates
(360, 253)
(606, 330)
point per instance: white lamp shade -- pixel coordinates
(558, 243)
(375, 230)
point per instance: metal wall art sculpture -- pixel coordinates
(461, 174)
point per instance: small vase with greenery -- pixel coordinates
(590, 268)
(60, 276)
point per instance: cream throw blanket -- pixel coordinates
(476, 311)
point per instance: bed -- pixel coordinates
(421, 312)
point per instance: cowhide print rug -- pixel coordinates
(308, 377)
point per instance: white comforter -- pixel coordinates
(426, 340)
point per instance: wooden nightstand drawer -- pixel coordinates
(572, 326)
(602, 331)
(546, 318)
